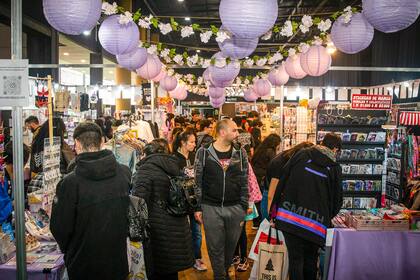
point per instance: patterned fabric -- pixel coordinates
(254, 189)
(326, 151)
(302, 222)
(36, 183)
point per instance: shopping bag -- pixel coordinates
(262, 236)
(137, 267)
(272, 259)
(253, 215)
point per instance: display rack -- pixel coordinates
(395, 166)
(362, 155)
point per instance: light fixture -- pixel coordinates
(66, 54)
(180, 0)
(83, 60)
(187, 19)
(111, 72)
(329, 89)
(86, 32)
(199, 51)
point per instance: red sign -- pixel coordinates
(371, 102)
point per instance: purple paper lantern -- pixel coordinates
(180, 92)
(216, 92)
(206, 75)
(354, 36)
(160, 76)
(168, 83)
(262, 87)
(72, 17)
(118, 38)
(133, 60)
(183, 94)
(151, 68)
(238, 48)
(217, 103)
(278, 76)
(293, 67)
(223, 76)
(250, 95)
(250, 18)
(391, 15)
(316, 61)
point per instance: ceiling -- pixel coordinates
(72, 53)
(206, 13)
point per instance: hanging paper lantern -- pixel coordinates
(278, 76)
(354, 36)
(216, 92)
(118, 38)
(238, 48)
(250, 18)
(391, 15)
(206, 75)
(218, 102)
(223, 76)
(160, 76)
(133, 60)
(250, 95)
(293, 67)
(178, 92)
(151, 68)
(262, 87)
(168, 83)
(316, 61)
(72, 17)
(183, 94)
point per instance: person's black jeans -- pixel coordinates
(303, 258)
(241, 248)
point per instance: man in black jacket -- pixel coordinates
(309, 195)
(221, 173)
(89, 214)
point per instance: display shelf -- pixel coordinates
(392, 184)
(363, 176)
(360, 161)
(364, 143)
(350, 126)
(393, 169)
(361, 193)
(398, 156)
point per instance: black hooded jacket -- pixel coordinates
(309, 195)
(171, 243)
(89, 217)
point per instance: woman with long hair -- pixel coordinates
(170, 236)
(275, 168)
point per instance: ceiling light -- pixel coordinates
(86, 32)
(180, 0)
(187, 19)
(331, 49)
(66, 54)
(83, 60)
(111, 72)
(198, 51)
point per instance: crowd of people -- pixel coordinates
(89, 215)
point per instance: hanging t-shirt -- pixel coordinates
(245, 140)
(62, 101)
(84, 102)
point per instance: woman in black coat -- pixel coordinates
(170, 236)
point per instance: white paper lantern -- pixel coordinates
(293, 67)
(316, 61)
(248, 18)
(391, 15)
(354, 36)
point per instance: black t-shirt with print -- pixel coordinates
(224, 157)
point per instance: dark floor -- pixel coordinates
(192, 274)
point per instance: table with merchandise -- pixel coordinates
(373, 247)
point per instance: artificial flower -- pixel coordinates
(267, 36)
(126, 18)
(249, 62)
(261, 62)
(317, 41)
(287, 29)
(152, 49)
(164, 53)
(206, 63)
(307, 21)
(324, 26)
(146, 22)
(303, 28)
(165, 28)
(200, 80)
(246, 82)
(347, 14)
(205, 36)
(303, 47)
(167, 59)
(109, 9)
(276, 57)
(187, 31)
(292, 52)
(179, 59)
(222, 36)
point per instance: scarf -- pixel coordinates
(326, 151)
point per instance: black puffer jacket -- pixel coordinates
(170, 236)
(89, 217)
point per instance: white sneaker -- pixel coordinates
(199, 265)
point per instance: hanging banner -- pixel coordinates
(371, 102)
(14, 85)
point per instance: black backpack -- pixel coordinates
(182, 199)
(138, 224)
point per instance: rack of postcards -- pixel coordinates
(51, 171)
(362, 155)
(1, 153)
(395, 168)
